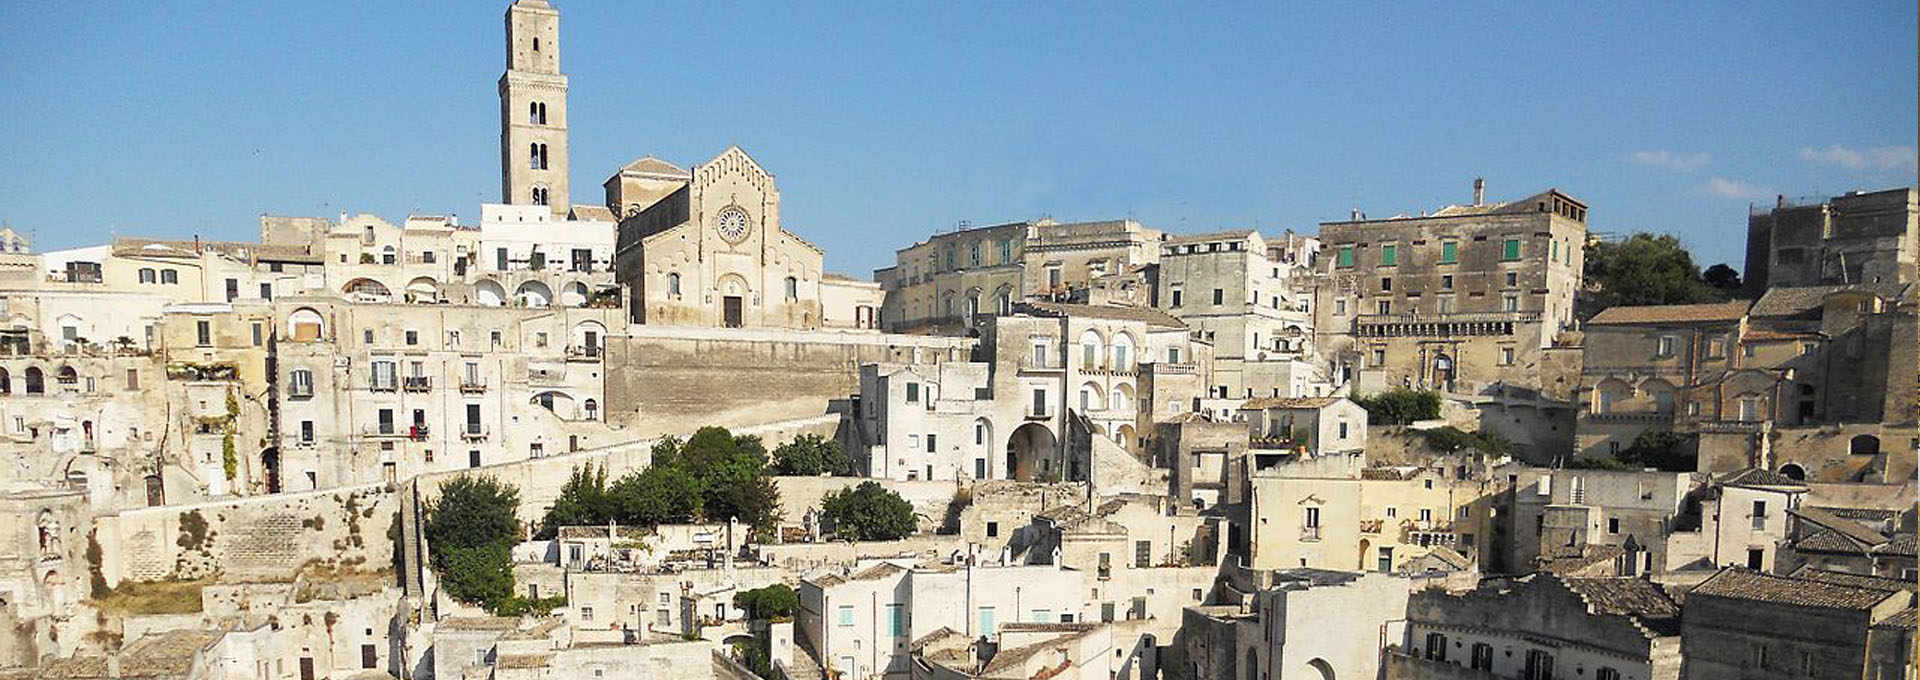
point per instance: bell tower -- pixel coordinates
(533, 110)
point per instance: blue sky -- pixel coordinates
(884, 122)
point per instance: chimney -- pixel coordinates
(1356, 215)
(1479, 190)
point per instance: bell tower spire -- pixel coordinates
(533, 110)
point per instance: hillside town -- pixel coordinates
(646, 434)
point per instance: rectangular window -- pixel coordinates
(266, 291)
(930, 445)
(913, 393)
(1449, 252)
(1142, 553)
(133, 378)
(896, 621)
(306, 432)
(204, 331)
(1555, 255)
(1040, 402)
(1219, 296)
(1389, 255)
(1510, 249)
(233, 289)
(500, 259)
(1344, 258)
(1176, 297)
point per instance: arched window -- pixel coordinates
(147, 275)
(1089, 350)
(36, 381)
(592, 409)
(67, 376)
(387, 255)
(169, 276)
(6, 382)
(673, 284)
(793, 289)
(537, 156)
(539, 195)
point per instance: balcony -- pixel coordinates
(1279, 443)
(89, 446)
(1371, 526)
(1310, 533)
(584, 353)
(473, 386)
(473, 432)
(1174, 368)
(418, 432)
(380, 431)
(1038, 364)
(1038, 415)
(387, 385)
(418, 383)
(300, 391)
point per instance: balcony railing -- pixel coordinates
(300, 391)
(473, 433)
(584, 352)
(380, 430)
(473, 386)
(418, 432)
(1038, 415)
(89, 446)
(1310, 533)
(1041, 364)
(418, 383)
(1371, 526)
(388, 385)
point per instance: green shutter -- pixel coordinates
(1449, 252)
(1346, 256)
(1510, 249)
(1389, 255)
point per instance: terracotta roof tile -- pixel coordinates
(1290, 402)
(1854, 580)
(1625, 596)
(1740, 584)
(1653, 314)
(1152, 317)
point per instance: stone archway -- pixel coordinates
(1031, 451)
(270, 462)
(1794, 471)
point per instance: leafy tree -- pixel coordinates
(1642, 269)
(1451, 439)
(470, 532)
(1399, 406)
(1722, 278)
(732, 474)
(1662, 450)
(662, 494)
(869, 512)
(583, 500)
(810, 455)
(771, 602)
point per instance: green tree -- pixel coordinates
(470, 531)
(660, 494)
(732, 474)
(1399, 406)
(583, 500)
(810, 455)
(1451, 439)
(869, 512)
(1723, 278)
(771, 602)
(1662, 450)
(1642, 269)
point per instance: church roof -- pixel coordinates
(654, 166)
(593, 213)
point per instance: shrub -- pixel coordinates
(869, 512)
(771, 602)
(1400, 406)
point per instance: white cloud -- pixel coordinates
(1869, 158)
(1733, 188)
(1672, 160)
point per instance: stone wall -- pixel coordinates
(929, 498)
(262, 539)
(659, 374)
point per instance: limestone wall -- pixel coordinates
(659, 374)
(929, 498)
(260, 539)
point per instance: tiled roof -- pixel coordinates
(1152, 317)
(479, 623)
(1900, 544)
(1701, 313)
(652, 165)
(1852, 529)
(1226, 235)
(1828, 541)
(1855, 580)
(878, 571)
(593, 213)
(1624, 595)
(1740, 584)
(1290, 402)
(1390, 473)
(1759, 477)
(1905, 619)
(1801, 300)
(1578, 559)
(155, 655)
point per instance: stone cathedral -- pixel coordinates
(693, 247)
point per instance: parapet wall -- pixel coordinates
(260, 539)
(659, 375)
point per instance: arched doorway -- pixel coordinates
(270, 461)
(156, 491)
(1864, 445)
(1322, 667)
(1443, 370)
(1366, 548)
(1794, 471)
(1030, 453)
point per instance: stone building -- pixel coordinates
(953, 280)
(1054, 390)
(1865, 541)
(1282, 627)
(533, 110)
(1656, 367)
(1255, 309)
(1814, 624)
(1856, 238)
(1600, 522)
(1464, 298)
(712, 252)
(1541, 627)
(1383, 519)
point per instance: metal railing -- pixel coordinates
(418, 383)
